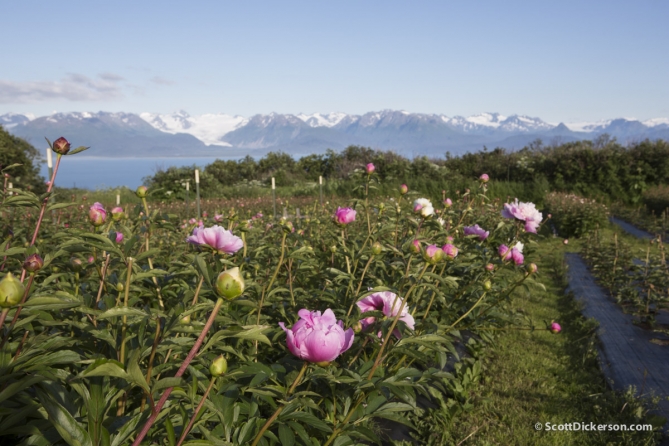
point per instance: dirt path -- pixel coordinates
(628, 357)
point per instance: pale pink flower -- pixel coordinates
(217, 238)
(450, 251)
(318, 338)
(526, 212)
(97, 214)
(389, 304)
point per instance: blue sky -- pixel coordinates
(561, 61)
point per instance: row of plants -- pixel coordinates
(575, 216)
(127, 325)
(638, 278)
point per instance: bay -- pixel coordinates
(89, 172)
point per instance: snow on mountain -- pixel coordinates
(322, 120)
(656, 122)
(485, 122)
(10, 120)
(208, 128)
(588, 126)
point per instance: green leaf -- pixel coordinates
(286, 435)
(122, 311)
(68, 428)
(77, 150)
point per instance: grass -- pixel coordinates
(533, 377)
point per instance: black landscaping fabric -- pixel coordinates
(631, 229)
(628, 356)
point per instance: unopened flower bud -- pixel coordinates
(414, 247)
(33, 263)
(490, 267)
(565, 241)
(377, 248)
(61, 146)
(404, 189)
(97, 214)
(141, 191)
(11, 291)
(532, 268)
(357, 327)
(369, 168)
(218, 367)
(555, 328)
(117, 213)
(484, 178)
(433, 254)
(230, 284)
(487, 285)
(333, 249)
(120, 287)
(185, 320)
(75, 264)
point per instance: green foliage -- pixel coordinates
(575, 216)
(15, 150)
(656, 199)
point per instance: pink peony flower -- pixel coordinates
(448, 202)
(503, 251)
(526, 212)
(369, 168)
(450, 251)
(218, 218)
(484, 178)
(318, 338)
(97, 214)
(477, 230)
(119, 237)
(344, 216)
(217, 238)
(555, 328)
(389, 304)
(192, 221)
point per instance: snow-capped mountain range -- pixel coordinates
(179, 134)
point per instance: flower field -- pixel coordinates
(148, 324)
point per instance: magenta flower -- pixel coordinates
(477, 230)
(555, 328)
(450, 251)
(526, 212)
(318, 338)
(344, 216)
(216, 238)
(369, 168)
(97, 214)
(515, 253)
(503, 251)
(119, 237)
(389, 304)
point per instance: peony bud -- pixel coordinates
(75, 264)
(377, 248)
(119, 237)
(433, 254)
(333, 249)
(369, 168)
(141, 191)
(487, 285)
(33, 263)
(230, 284)
(555, 328)
(11, 291)
(490, 267)
(415, 247)
(448, 202)
(97, 214)
(532, 268)
(117, 213)
(185, 320)
(484, 178)
(61, 146)
(218, 366)
(357, 327)
(120, 287)
(565, 241)
(404, 189)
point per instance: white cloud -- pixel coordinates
(161, 80)
(73, 87)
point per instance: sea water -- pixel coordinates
(90, 172)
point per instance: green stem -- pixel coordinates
(279, 409)
(197, 412)
(362, 278)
